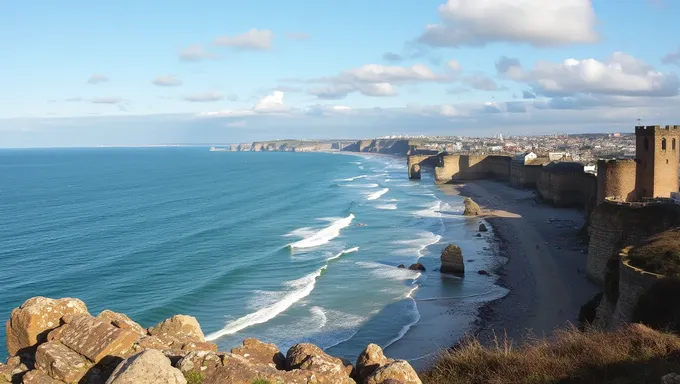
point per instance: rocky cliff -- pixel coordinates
(58, 341)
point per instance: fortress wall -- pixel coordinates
(543, 186)
(524, 176)
(571, 189)
(472, 167)
(615, 225)
(616, 180)
(633, 283)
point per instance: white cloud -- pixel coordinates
(254, 39)
(195, 52)
(376, 73)
(209, 96)
(167, 81)
(481, 82)
(298, 35)
(270, 104)
(454, 65)
(620, 74)
(537, 22)
(97, 78)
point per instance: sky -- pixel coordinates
(89, 73)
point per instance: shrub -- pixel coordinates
(588, 310)
(194, 377)
(261, 381)
(659, 253)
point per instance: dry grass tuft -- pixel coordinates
(634, 354)
(659, 254)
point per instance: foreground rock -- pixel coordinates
(416, 267)
(452, 260)
(58, 342)
(471, 208)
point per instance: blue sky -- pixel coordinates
(81, 73)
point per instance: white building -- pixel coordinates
(525, 157)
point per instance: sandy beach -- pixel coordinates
(545, 269)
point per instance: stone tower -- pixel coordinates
(656, 155)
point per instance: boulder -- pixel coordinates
(309, 357)
(417, 267)
(482, 227)
(178, 330)
(199, 346)
(60, 362)
(452, 260)
(39, 377)
(29, 324)
(471, 208)
(13, 370)
(261, 353)
(399, 371)
(121, 321)
(483, 272)
(96, 339)
(201, 363)
(150, 342)
(401, 266)
(146, 367)
(671, 378)
(370, 359)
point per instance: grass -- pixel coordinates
(633, 354)
(194, 377)
(659, 254)
(260, 381)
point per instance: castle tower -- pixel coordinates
(656, 153)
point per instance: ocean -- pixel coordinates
(284, 247)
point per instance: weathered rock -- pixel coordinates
(401, 266)
(13, 370)
(96, 339)
(29, 324)
(452, 260)
(178, 330)
(416, 267)
(38, 377)
(671, 378)
(471, 208)
(261, 353)
(204, 363)
(199, 346)
(478, 235)
(150, 342)
(312, 358)
(146, 367)
(121, 321)
(399, 370)
(370, 359)
(175, 355)
(61, 362)
(483, 272)
(482, 227)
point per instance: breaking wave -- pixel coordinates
(325, 235)
(376, 195)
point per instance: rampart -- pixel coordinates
(616, 180)
(452, 168)
(566, 185)
(524, 175)
(615, 225)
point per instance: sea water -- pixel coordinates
(284, 247)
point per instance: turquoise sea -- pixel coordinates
(285, 247)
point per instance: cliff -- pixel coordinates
(58, 341)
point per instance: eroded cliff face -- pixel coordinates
(58, 341)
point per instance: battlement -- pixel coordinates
(652, 129)
(614, 161)
(645, 202)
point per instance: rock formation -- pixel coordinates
(416, 267)
(452, 260)
(58, 341)
(471, 208)
(482, 227)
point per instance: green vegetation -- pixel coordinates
(659, 254)
(194, 377)
(261, 381)
(633, 354)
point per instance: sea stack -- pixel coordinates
(452, 260)
(471, 208)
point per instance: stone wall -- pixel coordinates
(524, 175)
(616, 180)
(454, 168)
(633, 283)
(415, 163)
(614, 225)
(570, 189)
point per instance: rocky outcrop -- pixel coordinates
(483, 228)
(416, 267)
(471, 208)
(76, 347)
(452, 260)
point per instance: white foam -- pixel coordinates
(376, 195)
(372, 185)
(319, 316)
(354, 178)
(325, 235)
(406, 327)
(343, 252)
(387, 206)
(361, 167)
(301, 232)
(418, 245)
(303, 287)
(388, 272)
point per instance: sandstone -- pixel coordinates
(199, 346)
(146, 367)
(452, 260)
(482, 227)
(29, 324)
(312, 358)
(399, 370)
(96, 339)
(261, 353)
(203, 363)
(178, 330)
(60, 362)
(121, 321)
(38, 377)
(416, 267)
(471, 208)
(150, 342)
(12, 371)
(175, 355)
(370, 359)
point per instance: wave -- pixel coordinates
(304, 287)
(325, 235)
(387, 206)
(418, 245)
(343, 252)
(359, 185)
(376, 195)
(354, 178)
